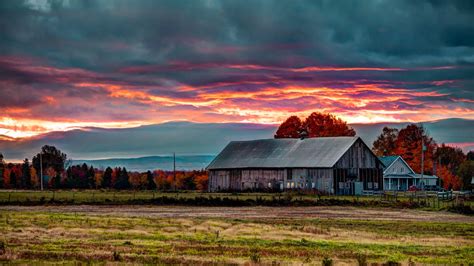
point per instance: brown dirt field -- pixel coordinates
(316, 212)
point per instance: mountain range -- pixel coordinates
(195, 144)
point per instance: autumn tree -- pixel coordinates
(202, 180)
(50, 157)
(450, 157)
(385, 143)
(409, 146)
(326, 125)
(34, 177)
(315, 125)
(98, 177)
(449, 180)
(290, 128)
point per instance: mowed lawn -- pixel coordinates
(202, 235)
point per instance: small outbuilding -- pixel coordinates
(334, 165)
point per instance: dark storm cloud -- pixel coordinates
(154, 61)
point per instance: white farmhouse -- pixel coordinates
(398, 175)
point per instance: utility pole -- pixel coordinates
(174, 171)
(41, 169)
(422, 161)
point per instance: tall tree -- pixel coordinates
(290, 128)
(91, 177)
(26, 177)
(13, 181)
(151, 185)
(385, 143)
(51, 157)
(409, 146)
(122, 179)
(107, 178)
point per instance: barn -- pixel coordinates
(334, 165)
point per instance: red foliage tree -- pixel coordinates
(450, 181)
(408, 145)
(326, 125)
(290, 128)
(315, 125)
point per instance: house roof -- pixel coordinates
(283, 153)
(388, 160)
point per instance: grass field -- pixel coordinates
(9, 197)
(202, 235)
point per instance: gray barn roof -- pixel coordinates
(283, 153)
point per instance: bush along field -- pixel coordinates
(192, 198)
(42, 236)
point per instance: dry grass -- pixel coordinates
(55, 233)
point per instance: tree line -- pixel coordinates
(58, 173)
(450, 164)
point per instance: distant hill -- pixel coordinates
(143, 164)
(195, 139)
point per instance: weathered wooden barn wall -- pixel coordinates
(276, 179)
(355, 168)
(358, 164)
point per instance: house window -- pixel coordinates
(313, 185)
(401, 170)
(269, 184)
(369, 185)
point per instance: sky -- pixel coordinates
(116, 64)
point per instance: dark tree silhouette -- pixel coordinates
(385, 143)
(151, 185)
(51, 157)
(107, 178)
(26, 177)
